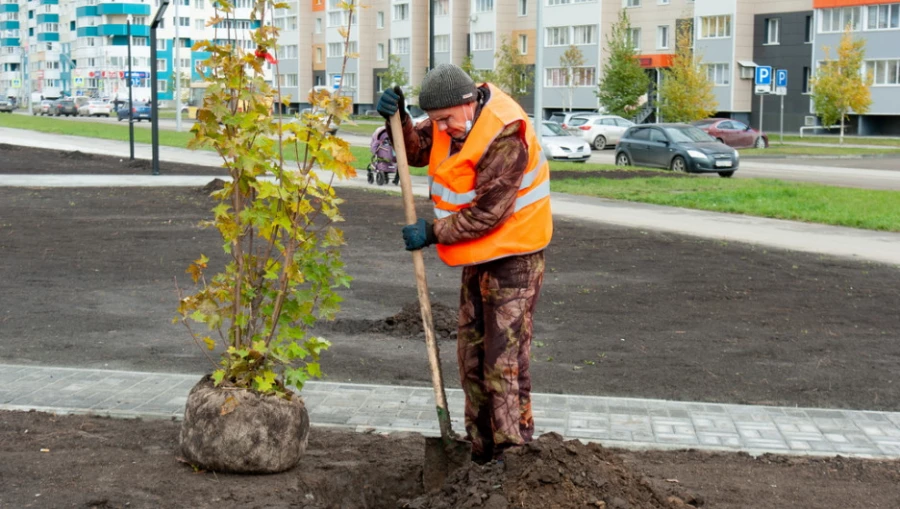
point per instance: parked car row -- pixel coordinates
(7, 104)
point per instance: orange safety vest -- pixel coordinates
(451, 179)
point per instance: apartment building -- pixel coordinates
(877, 22)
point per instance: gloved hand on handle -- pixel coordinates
(391, 102)
(419, 235)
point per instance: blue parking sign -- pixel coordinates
(781, 78)
(763, 79)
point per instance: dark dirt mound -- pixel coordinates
(550, 472)
(407, 324)
(140, 164)
(10, 148)
(615, 175)
(77, 155)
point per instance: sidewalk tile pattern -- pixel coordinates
(615, 422)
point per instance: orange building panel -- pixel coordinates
(318, 5)
(828, 4)
(654, 61)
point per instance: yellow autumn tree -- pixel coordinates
(840, 86)
(687, 92)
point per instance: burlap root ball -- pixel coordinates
(241, 431)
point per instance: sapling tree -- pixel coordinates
(839, 85)
(276, 214)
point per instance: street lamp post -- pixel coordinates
(130, 98)
(177, 69)
(154, 103)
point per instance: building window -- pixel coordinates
(484, 5)
(556, 36)
(634, 37)
(161, 65)
(715, 27)
(523, 7)
(662, 37)
(401, 46)
(483, 41)
(808, 33)
(184, 22)
(335, 49)
(198, 4)
(442, 43)
(379, 52)
(584, 34)
(632, 3)
(663, 2)
(401, 12)
(882, 17)
(806, 77)
(318, 55)
(199, 24)
(291, 80)
(523, 44)
(580, 77)
(883, 72)
(380, 19)
(772, 33)
(584, 77)
(318, 25)
(441, 7)
(162, 86)
(834, 20)
(718, 74)
(161, 44)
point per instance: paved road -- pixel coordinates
(864, 173)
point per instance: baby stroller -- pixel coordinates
(384, 162)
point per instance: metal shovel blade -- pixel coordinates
(442, 458)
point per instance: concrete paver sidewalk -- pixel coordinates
(614, 422)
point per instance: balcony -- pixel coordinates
(108, 9)
(48, 37)
(47, 18)
(9, 8)
(9, 25)
(9, 41)
(122, 29)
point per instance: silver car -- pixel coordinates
(599, 130)
(558, 145)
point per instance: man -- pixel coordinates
(490, 184)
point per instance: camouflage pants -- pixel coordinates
(497, 304)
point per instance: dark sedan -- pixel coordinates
(140, 111)
(65, 107)
(679, 147)
(733, 133)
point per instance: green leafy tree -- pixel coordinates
(839, 86)
(687, 92)
(276, 217)
(624, 81)
(395, 74)
(185, 86)
(512, 74)
(572, 63)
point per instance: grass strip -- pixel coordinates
(119, 132)
(777, 149)
(812, 203)
(834, 140)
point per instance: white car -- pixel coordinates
(599, 130)
(94, 109)
(558, 145)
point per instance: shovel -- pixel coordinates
(445, 454)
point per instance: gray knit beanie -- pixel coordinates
(444, 86)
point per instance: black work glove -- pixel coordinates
(418, 235)
(391, 102)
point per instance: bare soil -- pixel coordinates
(89, 277)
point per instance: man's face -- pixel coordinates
(453, 119)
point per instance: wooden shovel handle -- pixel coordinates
(409, 208)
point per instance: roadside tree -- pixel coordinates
(395, 74)
(624, 81)
(511, 73)
(572, 63)
(478, 75)
(687, 92)
(839, 86)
